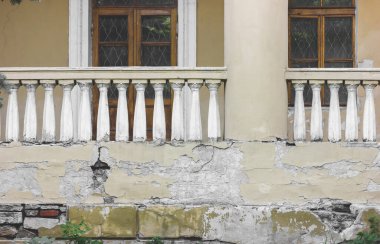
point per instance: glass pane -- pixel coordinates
(299, 64)
(337, 3)
(113, 28)
(304, 38)
(155, 28)
(338, 65)
(155, 55)
(113, 93)
(149, 91)
(342, 95)
(304, 3)
(113, 56)
(114, 2)
(338, 37)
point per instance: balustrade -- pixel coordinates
(91, 79)
(334, 80)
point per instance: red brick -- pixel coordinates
(49, 213)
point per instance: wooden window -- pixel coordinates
(134, 33)
(321, 35)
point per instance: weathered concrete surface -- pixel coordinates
(222, 173)
(226, 223)
(238, 192)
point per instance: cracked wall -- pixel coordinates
(274, 191)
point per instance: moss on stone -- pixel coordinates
(121, 222)
(368, 214)
(294, 221)
(171, 222)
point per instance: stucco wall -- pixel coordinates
(34, 33)
(368, 33)
(246, 192)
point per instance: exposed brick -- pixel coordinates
(49, 213)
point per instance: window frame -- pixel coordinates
(321, 13)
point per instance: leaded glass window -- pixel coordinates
(321, 35)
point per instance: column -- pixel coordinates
(369, 116)
(12, 119)
(30, 117)
(256, 55)
(159, 123)
(85, 126)
(351, 133)
(178, 127)
(48, 120)
(103, 119)
(195, 123)
(316, 123)
(299, 125)
(214, 133)
(139, 120)
(122, 119)
(334, 130)
(67, 124)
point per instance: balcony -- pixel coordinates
(356, 119)
(84, 127)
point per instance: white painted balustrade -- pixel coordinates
(334, 80)
(94, 122)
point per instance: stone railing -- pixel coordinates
(102, 78)
(333, 79)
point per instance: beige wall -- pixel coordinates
(210, 33)
(34, 33)
(368, 33)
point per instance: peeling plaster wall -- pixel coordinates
(223, 173)
(234, 192)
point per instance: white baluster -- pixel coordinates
(195, 124)
(48, 121)
(139, 120)
(316, 124)
(214, 133)
(12, 119)
(159, 124)
(103, 119)
(334, 131)
(67, 125)
(122, 122)
(177, 116)
(30, 119)
(369, 116)
(351, 133)
(85, 126)
(299, 125)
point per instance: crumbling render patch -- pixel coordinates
(212, 175)
(21, 178)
